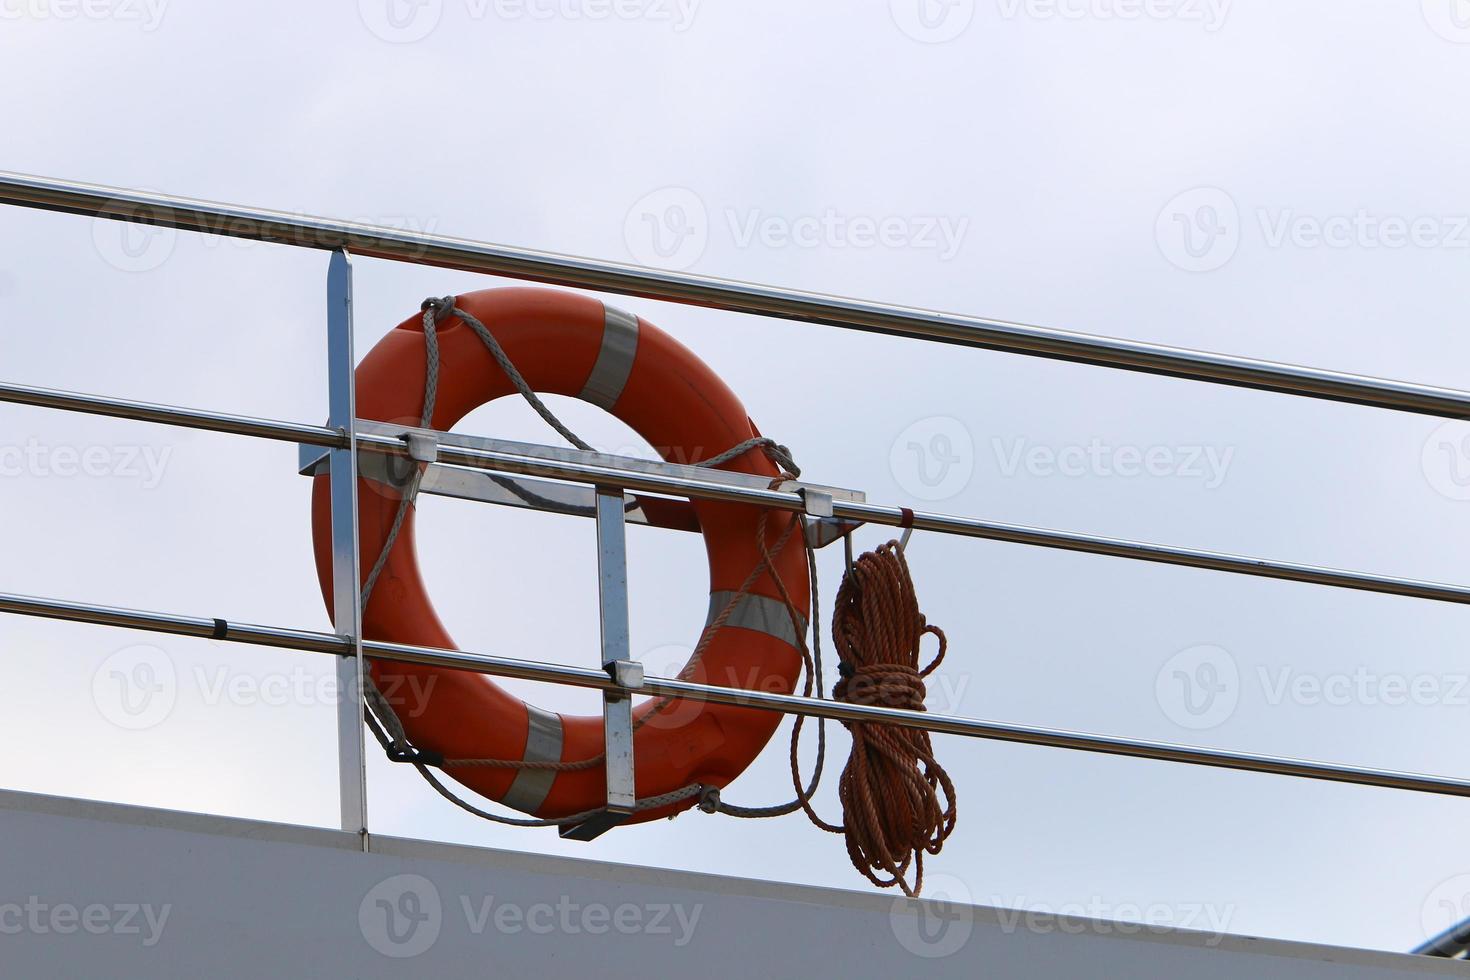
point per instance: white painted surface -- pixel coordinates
(94, 889)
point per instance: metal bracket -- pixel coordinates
(617, 705)
(593, 827)
(466, 483)
(822, 527)
(828, 530)
(423, 447)
(626, 674)
(818, 502)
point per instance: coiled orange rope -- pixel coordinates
(892, 785)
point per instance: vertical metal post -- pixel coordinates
(617, 705)
(346, 577)
(612, 593)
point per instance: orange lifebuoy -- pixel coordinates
(574, 345)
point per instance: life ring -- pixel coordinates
(574, 345)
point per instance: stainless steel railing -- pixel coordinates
(344, 438)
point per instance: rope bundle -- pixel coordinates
(891, 787)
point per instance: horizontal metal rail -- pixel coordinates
(190, 418)
(574, 469)
(202, 627)
(563, 270)
(690, 691)
(1452, 944)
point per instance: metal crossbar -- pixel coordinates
(588, 677)
(563, 270)
(642, 475)
(346, 438)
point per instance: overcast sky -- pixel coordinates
(1283, 181)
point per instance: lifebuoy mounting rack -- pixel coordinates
(564, 343)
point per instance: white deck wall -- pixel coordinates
(101, 890)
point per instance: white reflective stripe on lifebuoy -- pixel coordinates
(759, 613)
(543, 744)
(615, 360)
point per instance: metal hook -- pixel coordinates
(907, 524)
